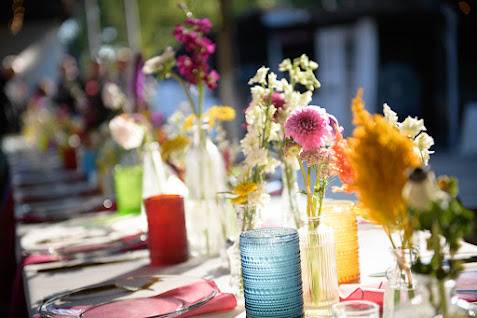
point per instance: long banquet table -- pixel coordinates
(44, 280)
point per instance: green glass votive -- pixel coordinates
(128, 187)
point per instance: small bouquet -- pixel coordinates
(433, 206)
(191, 69)
(314, 132)
(375, 162)
(264, 144)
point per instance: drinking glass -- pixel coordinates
(128, 188)
(271, 273)
(167, 238)
(355, 308)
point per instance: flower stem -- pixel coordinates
(186, 91)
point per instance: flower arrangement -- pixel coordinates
(375, 162)
(192, 66)
(314, 131)
(264, 144)
(190, 69)
(433, 206)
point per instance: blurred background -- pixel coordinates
(419, 56)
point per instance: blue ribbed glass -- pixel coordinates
(271, 273)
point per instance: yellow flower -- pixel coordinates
(242, 191)
(176, 144)
(221, 113)
(380, 157)
(188, 122)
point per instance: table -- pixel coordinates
(374, 259)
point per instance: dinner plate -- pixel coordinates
(143, 296)
(85, 234)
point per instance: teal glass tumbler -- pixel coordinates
(271, 273)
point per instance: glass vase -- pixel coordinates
(341, 216)
(434, 298)
(290, 192)
(318, 265)
(246, 220)
(400, 288)
(205, 178)
(154, 173)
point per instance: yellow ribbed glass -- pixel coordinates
(341, 216)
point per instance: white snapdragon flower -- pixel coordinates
(250, 142)
(414, 129)
(254, 116)
(285, 65)
(258, 94)
(422, 144)
(157, 63)
(260, 76)
(272, 80)
(256, 157)
(390, 116)
(126, 131)
(270, 165)
(305, 62)
(411, 127)
(275, 132)
(305, 98)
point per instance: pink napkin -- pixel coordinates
(166, 302)
(371, 292)
(466, 286)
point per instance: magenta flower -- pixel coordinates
(187, 69)
(212, 79)
(278, 100)
(193, 66)
(200, 25)
(309, 127)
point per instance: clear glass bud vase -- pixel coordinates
(246, 220)
(205, 178)
(291, 210)
(154, 173)
(318, 265)
(400, 288)
(435, 299)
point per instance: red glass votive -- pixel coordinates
(167, 238)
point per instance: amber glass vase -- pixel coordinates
(341, 216)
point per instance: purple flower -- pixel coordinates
(309, 127)
(200, 25)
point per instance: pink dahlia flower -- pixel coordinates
(309, 127)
